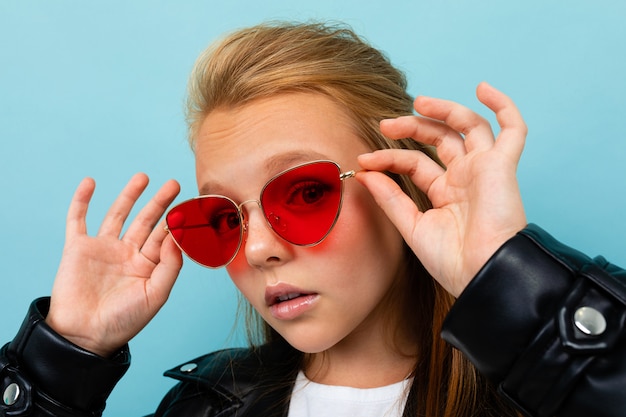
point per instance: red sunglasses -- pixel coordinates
(301, 205)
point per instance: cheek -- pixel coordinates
(239, 265)
(367, 225)
(239, 273)
(365, 237)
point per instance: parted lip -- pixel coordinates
(283, 292)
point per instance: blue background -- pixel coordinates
(96, 89)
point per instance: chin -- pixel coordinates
(309, 342)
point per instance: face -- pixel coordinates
(320, 296)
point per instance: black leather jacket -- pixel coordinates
(542, 321)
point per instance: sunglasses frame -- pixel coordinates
(243, 228)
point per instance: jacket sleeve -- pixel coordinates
(547, 325)
(43, 374)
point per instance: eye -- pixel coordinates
(225, 221)
(306, 193)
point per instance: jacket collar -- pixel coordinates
(251, 380)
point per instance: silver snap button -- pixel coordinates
(11, 394)
(590, 321)
(188, 368)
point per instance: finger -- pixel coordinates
(513, 129)
(401, 210)
(165, 273)
(476, 129)
(77, 212)
(123, 204)
(152, 246)
(422, 170)
(448, 142)
(143, 225)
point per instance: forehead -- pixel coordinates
(264, 137)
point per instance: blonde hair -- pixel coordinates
(276, 58)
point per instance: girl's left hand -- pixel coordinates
(476, 199)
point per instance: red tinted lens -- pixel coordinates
(207, 229)
(302, 204)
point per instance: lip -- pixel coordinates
(286, 302)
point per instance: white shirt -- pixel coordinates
(310, 399)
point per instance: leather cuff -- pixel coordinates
(519, 322)
(62, 372)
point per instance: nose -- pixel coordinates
(262, 246)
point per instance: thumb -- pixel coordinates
(166, 272)
(399, 207)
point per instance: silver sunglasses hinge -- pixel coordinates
(346, 175)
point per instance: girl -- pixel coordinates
(350, 226)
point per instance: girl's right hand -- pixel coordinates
(108, 287)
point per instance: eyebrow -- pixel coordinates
(282, 161)
(273, 166)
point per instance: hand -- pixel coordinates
(476, 199)
(108, 288)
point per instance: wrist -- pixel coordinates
(61, 369)
(81, 342)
